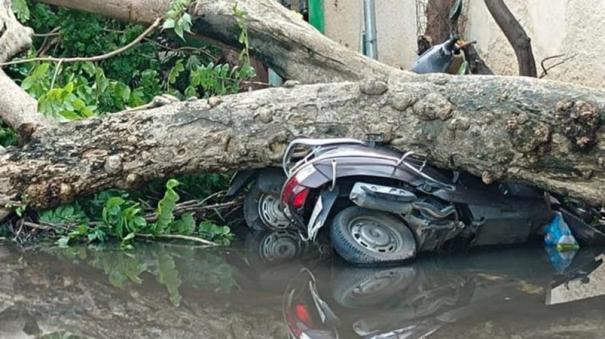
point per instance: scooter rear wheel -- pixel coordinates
(367, 237)
(262, 208)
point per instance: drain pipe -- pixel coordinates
(370, 46)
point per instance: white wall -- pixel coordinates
(395, 25)
(555, 27)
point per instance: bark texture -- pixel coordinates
(538, 131)
(292, 47)
(17, 108)
(141, 11)
(515, 34)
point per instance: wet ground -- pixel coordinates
(269, 285)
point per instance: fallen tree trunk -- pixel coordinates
(499, 128)
(522, 129)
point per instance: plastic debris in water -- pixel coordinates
(560, 261)
(559, 236)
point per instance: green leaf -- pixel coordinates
(175, 72)
(166, 207)
(179, 31)
(21, 9)
(130, 236)
(63, 242)
(169, 23)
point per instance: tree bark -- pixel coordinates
(437, 20)
(140, 11)
(516, 36)
(541, 132)
(17, 108)
(537, 131)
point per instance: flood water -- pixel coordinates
(269, 285)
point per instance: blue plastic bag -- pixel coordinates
(560, 261)
(559, 236)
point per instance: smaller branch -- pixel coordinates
(54, 32)
(177, 237)
(546, 69)
(183, 208)
(21, 223)
(149, 30)
(57, 70)
(516, 36)
(37, 226)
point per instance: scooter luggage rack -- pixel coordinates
(420, 170)
(315, 144)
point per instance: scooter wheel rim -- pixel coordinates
(375, 236)
(269, 210)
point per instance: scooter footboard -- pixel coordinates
(512, 224)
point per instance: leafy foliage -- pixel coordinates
(123, 218)
(8, 137)
(21, 9)
(177, 18)
(158, 65)
(166, 208)
(68, 214)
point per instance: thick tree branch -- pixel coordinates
(516, 36)
(14, 37)
(17, 108)
(140, 11)
(531, 130)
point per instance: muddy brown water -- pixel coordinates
(270, 285)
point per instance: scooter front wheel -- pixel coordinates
(367, 237)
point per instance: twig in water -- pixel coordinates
(177, 237)
(19, 231)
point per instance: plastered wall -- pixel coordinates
(570, 27)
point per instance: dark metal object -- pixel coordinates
(438, 58)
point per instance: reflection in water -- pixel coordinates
(273, 285)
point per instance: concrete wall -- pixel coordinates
(555, 26)
(395, 25)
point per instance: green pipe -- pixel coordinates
(316, 14)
